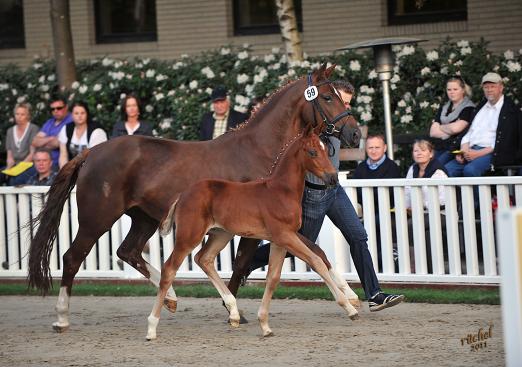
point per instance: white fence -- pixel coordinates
(455, 244)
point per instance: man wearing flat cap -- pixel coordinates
(223, 117)
(494, 138)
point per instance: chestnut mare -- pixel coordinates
(267, 209)
(139, 176)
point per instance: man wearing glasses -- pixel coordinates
(47, 137)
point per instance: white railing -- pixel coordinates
(455, 244)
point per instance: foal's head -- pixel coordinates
(314, 157)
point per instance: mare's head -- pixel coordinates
(326, 110)
(314, 157)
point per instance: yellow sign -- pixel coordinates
(17, 169)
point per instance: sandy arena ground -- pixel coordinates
(110, 331)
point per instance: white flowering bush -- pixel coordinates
(175, 93)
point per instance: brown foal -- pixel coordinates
(267, 209)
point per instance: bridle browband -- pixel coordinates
(331, 129)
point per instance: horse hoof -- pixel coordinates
(268, 334)
(355, 302)
(150, 337)
(354, 317)
(170, 304)
(234, 323)
(59, 328)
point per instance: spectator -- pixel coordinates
(130, 123)
(43, 163)
(425, 166)
(495, 135)
(18, 143)
(47, 137)
(223, 118)
(377, 166)
(83, 133)
(452, 119)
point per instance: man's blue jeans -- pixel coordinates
(474, 168)
(443, 156)
(334, 203)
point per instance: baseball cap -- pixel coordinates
(218, 94)
(491, 78)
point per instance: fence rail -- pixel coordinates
(455, 243)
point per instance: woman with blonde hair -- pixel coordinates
(425, 166)
(18, 142)
(452, 119)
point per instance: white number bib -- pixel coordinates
(311, 93)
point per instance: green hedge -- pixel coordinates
(175, 93)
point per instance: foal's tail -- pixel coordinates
(49, 219)
(167, 222)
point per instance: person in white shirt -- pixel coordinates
(82, 134)
(494, 135)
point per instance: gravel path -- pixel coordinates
(111, 331)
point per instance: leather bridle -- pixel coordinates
(331, 129)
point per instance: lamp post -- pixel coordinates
(384, 60)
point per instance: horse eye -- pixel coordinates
(327, 97)
(312, 153)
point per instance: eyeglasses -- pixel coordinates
(59, 108)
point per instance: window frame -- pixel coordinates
(262, 30)
(432, 17)
(15, 43)
(121, 37)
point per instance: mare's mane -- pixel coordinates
(264, 104)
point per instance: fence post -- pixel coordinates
(509, 237)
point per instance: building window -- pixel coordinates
(12, 25)
(260, 17)
(425, 11)
(125, 21)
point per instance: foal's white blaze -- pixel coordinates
(155, 277)
(62, 309)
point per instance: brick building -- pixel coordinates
(169, 28)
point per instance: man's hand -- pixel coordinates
(470, 154)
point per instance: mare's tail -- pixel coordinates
(39, 276)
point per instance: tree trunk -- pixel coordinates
(289, 31)
(63, 43)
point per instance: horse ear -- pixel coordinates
(329, 71)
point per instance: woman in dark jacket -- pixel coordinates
(130, 123)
